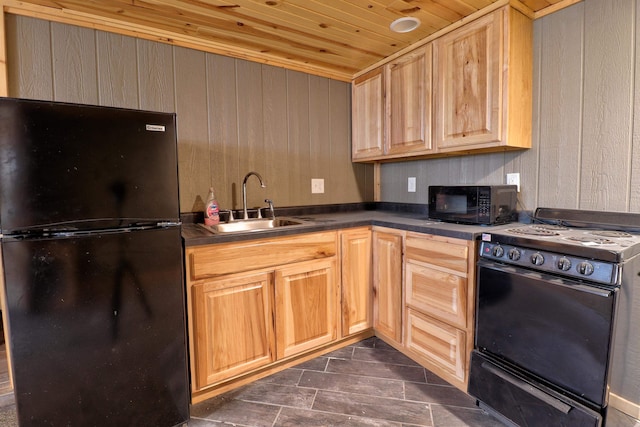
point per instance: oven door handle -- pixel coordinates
(527, 388)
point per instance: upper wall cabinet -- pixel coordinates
(483, 78)
(392, 108)
(481, 75)
(368, 115)
(408, 103)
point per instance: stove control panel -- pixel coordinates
(551, 262)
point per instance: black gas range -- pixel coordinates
(556, 328)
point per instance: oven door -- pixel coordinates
(557, 329)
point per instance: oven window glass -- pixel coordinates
(450, 203)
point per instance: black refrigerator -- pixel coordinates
(92, 264)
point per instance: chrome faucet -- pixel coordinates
(244, 191)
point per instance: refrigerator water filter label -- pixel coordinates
(155, 128)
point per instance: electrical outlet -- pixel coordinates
(317, 185)
(513, 179)
(411, 184)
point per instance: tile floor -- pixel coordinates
(365, 384)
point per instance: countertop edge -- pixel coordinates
(195, 235)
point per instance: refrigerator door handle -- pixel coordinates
(169, 223)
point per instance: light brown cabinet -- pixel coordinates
(483, 84)
(245, 316)
(387, 283)
(408, 103)
(306, 306)
(356, 280)
(233, 313)
(439, 304)
(368, 111)
(469, 90)
(307, 293)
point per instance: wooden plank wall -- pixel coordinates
(234, 116)
(586, 137)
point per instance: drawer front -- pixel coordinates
(440, 294)
(438, 343)
(444, 254)
(226, 258)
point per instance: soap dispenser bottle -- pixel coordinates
(211, 209)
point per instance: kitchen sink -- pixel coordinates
(253, 224)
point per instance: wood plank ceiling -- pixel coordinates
(331, 38)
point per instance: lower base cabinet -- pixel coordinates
(387, 284)
(233, 326)
(439, 304)
(254, 304)
(306, 308)
(293, 301)
(356, 280)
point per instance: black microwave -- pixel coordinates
(473, 204)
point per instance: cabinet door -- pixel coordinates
(408, 103)
(306, 306)
(357, 304)
(233, 327)
(368, 115)
(468, 88)
(439, 346)
(387, 285)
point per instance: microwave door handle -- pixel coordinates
(527, 388)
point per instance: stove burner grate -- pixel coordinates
(611, 233)
(550, 227)
(591, 240)
(537, 230)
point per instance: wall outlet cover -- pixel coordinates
(317, 185)
(514, 179)
(411, 184)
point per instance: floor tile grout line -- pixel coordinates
(400, 423)
(359, 375)
(275, 420)
(403, 399)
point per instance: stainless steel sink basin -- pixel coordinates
(254, 224)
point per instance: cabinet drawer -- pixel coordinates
(437, 343)
(226, 258)
(440, 294)
(453, 256)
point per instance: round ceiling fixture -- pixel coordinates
(404, 25)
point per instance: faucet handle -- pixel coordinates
(230, 216)
(270, 203)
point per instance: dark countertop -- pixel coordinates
(194, 234)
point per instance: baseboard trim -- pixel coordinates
(623, 405)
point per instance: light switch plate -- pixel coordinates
(411, 184)
(317, 185)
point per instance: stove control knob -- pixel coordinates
(585, 268)
(498, 251)
(564, 264)
(514, 254)
(537, 259)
